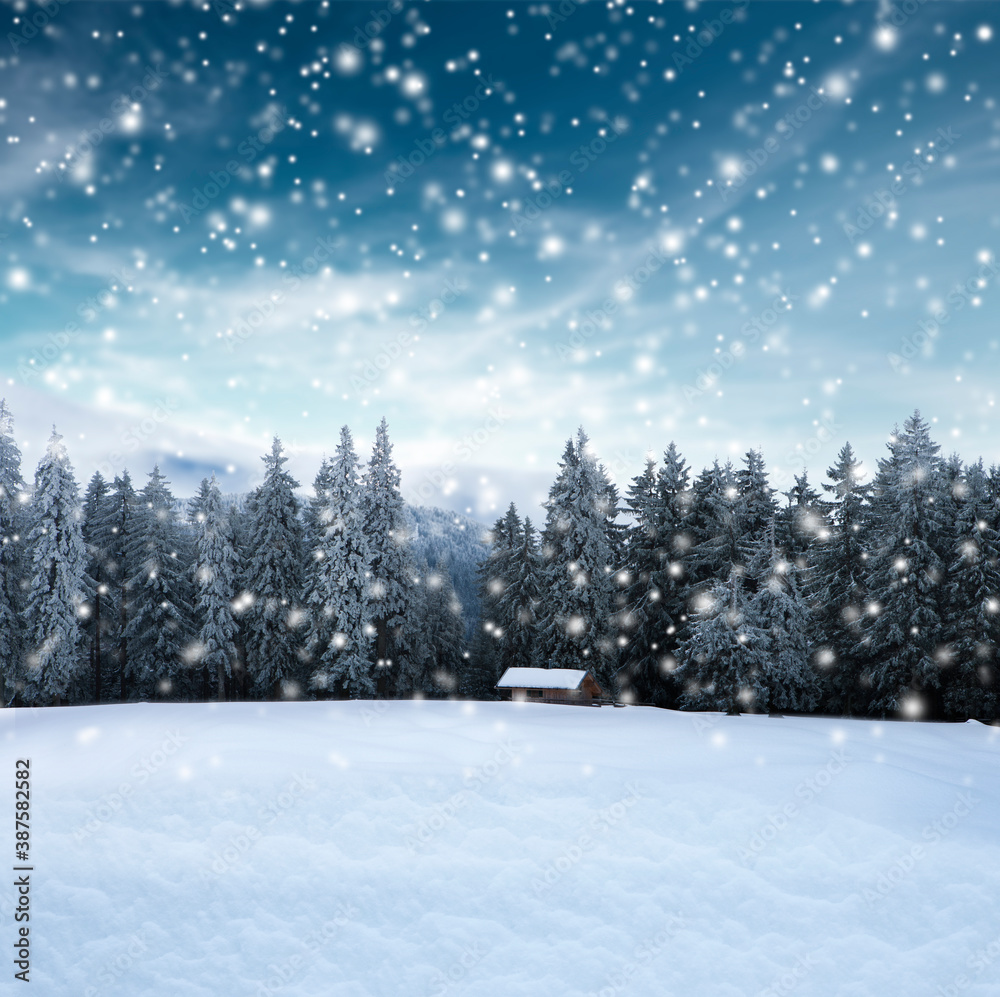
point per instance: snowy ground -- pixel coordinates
(409, 849)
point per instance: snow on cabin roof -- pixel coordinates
(542, 678)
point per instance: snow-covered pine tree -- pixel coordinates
(483, 667)
(118, 524)
(13, 560)
(716, 529)
(53, 665)
(837, 587)
(442, 632)
(198, 504)
(654, 573)
(972, 619)
(274, 538)
(578, 606)
(339, 573)
(521, 599)
(904, 638)
(801, 521)
(99, 623)
(778, 608)
(392, 570)
(756, 506)
(159, 627)
(723, 662)
(216, 573)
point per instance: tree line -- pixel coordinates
(121, 597)
(864, 598)
(868, 598)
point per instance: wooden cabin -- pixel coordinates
(550, 685)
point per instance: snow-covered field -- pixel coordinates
(406, 848)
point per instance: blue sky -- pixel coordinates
(295, 217)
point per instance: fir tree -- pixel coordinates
(216, 572)
(442, 632)
(779, 610)
(159, 627)
(903, 641)
(519, 604)
(723, 662)
(14, 569)
(339, 570)
(274, 572)
(838, 589)
(578, 608)
(57, 590)
(391, 569)
(99, 545)
(972, 625)
(655, 569)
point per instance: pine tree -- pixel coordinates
(159, 627)
(392, 570)
(339, 572)
(717, 529)
(723, 662)
(442, 632)
(801, 522)
(972, 624)
(654, 576)
(14, 569)
(274, 572)
(99, 545)
(53, 671)
(904, 639)
(216, 573)
(779, 610)
(117, 525)
(519, 604)
(484, 665)
(578, 609)
(838, 587)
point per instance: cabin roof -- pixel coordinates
(542, 678)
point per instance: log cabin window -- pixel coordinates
(535, 693)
